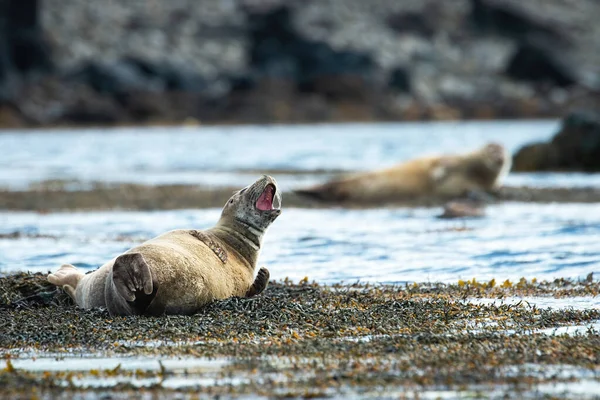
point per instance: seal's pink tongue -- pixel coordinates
(265, 201)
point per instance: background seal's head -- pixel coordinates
(497, 159)
(255, 207)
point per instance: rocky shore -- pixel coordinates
(576, 147)
(76, 62)
(308, 340)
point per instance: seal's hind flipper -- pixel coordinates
(66, 277)
(310, 193)
(260, 283)
(132, 278)
(328, 192)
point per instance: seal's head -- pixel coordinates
(255, 206)
(495, 155)
(497, 159)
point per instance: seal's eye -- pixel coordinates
(231, 201)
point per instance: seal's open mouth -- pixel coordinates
(265, 200)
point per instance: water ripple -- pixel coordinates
(235, 155)
(545, 241)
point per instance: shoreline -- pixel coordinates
(306, 339)
(53, 196)
(194, 123)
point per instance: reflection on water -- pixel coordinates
(124, 363)
(383, 245)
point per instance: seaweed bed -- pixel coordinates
(309, 340)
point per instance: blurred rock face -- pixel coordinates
(293, 61)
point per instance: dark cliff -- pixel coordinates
(65, 62)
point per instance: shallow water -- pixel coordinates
(235, 155)
(328, 245)
(193, 373)
(515, 240)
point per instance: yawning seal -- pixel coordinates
(182, 270)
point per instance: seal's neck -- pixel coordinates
(242, 237)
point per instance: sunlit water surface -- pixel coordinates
(235, 155)
(515, 240)
(329, 245)
(380, 245)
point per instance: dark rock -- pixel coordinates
(271, 35)
(411, 22)
(5, 71)
(317, 59)
(112, 78)
(92, 113)
(27, 48)
(264, 99)
(145, 105)
(170, 77)
(399, 80)
(535, 157)
(540, 46)
(579, 142)
(336, 87)
(576, 147)
(134, 74)
(52, 100)
(83, 106)
(277, 50)
(242, 82)
(536, 61)
(502, 18)
(23, 48)
(11, 116)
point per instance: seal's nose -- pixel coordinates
(269, 179)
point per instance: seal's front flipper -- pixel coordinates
(260, 283)
(133, 279)
(66, 277)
